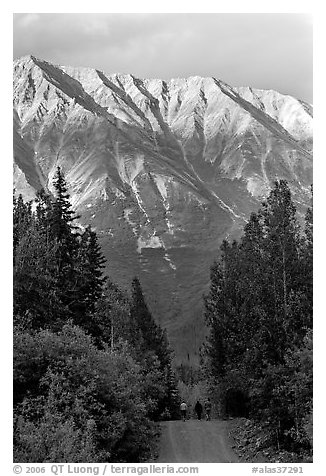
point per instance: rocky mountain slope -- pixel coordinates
(162, 170)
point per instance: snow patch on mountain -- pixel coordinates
(139, 201)
(126, 215)
(227, 207)
(160, 183)
(152, 241)
(170, 262)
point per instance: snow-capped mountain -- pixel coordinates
(162, 170)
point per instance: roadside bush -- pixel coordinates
(76, 402)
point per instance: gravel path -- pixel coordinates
(196, 442)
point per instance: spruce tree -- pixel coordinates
(144, 327)
(259, 309)
(93, 263)
(308, 259)
(89, 285)
(149, 339)
(214, 316)
(281, 231)
(63, 216)
(58, 270)
(36, 302)
(22, 220)
(65, 234)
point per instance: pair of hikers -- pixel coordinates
(207, 407)
(198, 409)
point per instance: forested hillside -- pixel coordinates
(92, 370)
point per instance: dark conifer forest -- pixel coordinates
(92, 370)
(259, 310)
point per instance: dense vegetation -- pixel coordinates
(92, 370)
(259, 310)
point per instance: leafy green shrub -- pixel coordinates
(79, 403)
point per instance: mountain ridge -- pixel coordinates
(163, 170)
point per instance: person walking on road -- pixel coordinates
(208, 408)
(183, 409)
(198, 409)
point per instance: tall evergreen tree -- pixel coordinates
(149, 339)
(215, 319)
(22, 220)
(145, 328)
(307, 272)
(66, 235)
(62, 228)
(63, 216)
(93, 262)
(59, 270)
(282, 243)
(259, 309)
(89, 283)
(36, 302)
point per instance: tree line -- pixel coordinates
(259, 309)
(92, 369)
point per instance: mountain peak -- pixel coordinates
(163, 170)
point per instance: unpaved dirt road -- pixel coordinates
(195, 441)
